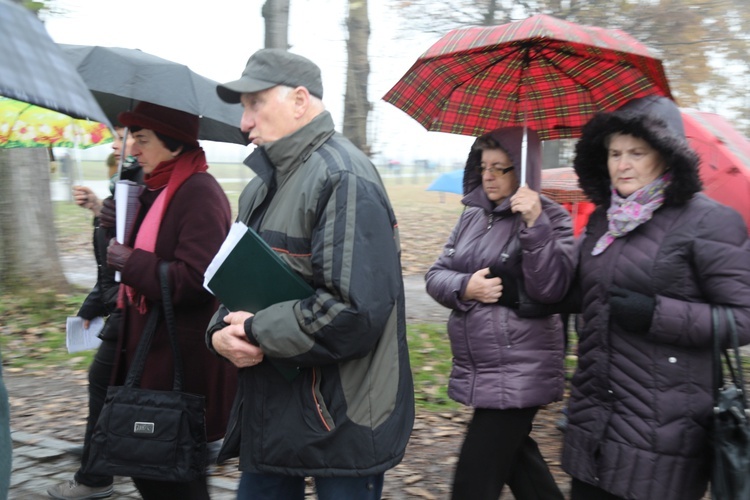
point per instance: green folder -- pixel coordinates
(248, 275)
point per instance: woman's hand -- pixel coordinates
(117, 255)
(526, 201)
(483, 289)
(86, 198)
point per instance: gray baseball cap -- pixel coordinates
(270, 67)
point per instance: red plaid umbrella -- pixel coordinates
(542, 72)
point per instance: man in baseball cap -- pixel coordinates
(326, 387)
(270, 67)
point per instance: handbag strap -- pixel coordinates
(166, 301)
(735, 369)
(139, 359)
(133, 378)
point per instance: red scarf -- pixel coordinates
(172, 174)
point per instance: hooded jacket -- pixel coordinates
(320, 203)
(500, 360)
(641, 403)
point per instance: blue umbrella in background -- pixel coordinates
(449, 182)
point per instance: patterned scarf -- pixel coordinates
(626, 214)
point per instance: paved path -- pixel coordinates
(40, 461)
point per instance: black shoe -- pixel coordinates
(75, 450)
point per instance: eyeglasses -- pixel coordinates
(494, 171)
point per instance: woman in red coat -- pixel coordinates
(183, 219)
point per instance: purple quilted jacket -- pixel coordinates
(502, 361)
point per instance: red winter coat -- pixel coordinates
(193, 228)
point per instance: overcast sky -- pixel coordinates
(215, 38)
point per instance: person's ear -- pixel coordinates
(301, 101)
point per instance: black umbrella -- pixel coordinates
(35, 70)
(120, 77)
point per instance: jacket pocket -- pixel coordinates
(322, 414)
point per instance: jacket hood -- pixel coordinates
(590, 161)
(510, 139)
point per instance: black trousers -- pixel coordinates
(165, 490)
(100, 372)
(498, 450)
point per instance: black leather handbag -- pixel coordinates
(730, 433)
(150, 434)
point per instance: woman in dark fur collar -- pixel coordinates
(656, 256)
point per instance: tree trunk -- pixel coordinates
(29, 259)
(489, 16)
(276, 15)
(356, 105)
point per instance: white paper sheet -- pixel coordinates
(236, 232)
(126, 204)
(78, 338)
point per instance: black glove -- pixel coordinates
(117, 255)
(108, 216)
(510, 296)
(631, 310)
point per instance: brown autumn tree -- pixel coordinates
(276, 16)
(356, 105)
(29, 258)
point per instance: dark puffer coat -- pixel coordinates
(641, 403)
(500, 360)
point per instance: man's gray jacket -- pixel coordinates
(320, 203)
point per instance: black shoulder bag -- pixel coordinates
(149, 434)
(730, 432)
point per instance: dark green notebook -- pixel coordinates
(247, 275)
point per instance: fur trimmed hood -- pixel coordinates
(590, 162)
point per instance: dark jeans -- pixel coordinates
(584, 491)
(278, 487)
(498, 450)
(100, 372)
(166, 490)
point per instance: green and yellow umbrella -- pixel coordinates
(24, 125)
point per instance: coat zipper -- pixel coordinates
(318, 406)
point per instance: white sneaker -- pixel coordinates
(71, 490)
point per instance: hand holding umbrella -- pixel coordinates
(526, 202)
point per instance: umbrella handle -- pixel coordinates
(524, 154)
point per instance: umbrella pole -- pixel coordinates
(524, 141)
(524, 153)
(122, 154)
(79, 164)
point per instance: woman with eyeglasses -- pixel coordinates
(504, 366)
